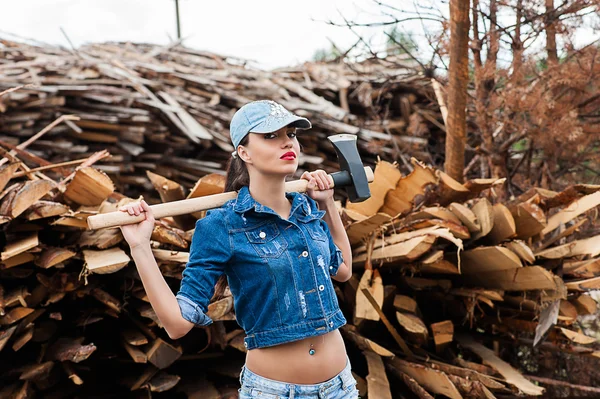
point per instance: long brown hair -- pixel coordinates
(236, 178)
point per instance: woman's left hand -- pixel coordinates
(319, 178)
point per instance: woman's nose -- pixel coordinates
(288, 141)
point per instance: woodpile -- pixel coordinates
(168, 109)
(446, 276)
(456, 268)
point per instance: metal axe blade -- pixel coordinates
(352, 171)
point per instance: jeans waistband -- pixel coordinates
(344, 379)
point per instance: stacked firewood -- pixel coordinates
(446, 275)
(168, 109)
(434, 262)
(444, 258)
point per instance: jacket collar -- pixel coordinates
(308, 209)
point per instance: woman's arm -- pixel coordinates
(161, 297)
(338, 232)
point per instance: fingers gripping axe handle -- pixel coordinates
(343, 178)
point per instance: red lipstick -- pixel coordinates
(290, 155)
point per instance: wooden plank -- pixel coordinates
(361, 229)
(436, 263)
(521, 279)
(494, 295)
(565, 233)
(583, 285)
(162, 354)
(105, 261)
(401, 199)
(443, 333)
(403, 303)
(522, 250)
(408, 250)
(363, 343)
(585, 305)
(387, 324)
(19, 246)
(434, 212)
(574, 209)
(468, 370)
(577, 337)
(511, 375)
(433, 380)
(489, 259)
(26, 194)
(466, 216)
(413, 327)
(377, 381)
(484, 212)
(504, 225)
(89, 186)
(386, 177)
(136, 354)
(529, 219)
(588, 246)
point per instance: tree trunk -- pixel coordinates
(457, 89)
(551, 33)
(517, 44)
(485, 81)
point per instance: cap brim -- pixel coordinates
(274, 124)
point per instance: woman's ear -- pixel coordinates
(243, 154)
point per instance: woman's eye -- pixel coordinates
(292, 134)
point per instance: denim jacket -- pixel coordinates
(279, 270)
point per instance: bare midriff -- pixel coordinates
(291, 362)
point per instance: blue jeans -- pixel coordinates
(342, 386)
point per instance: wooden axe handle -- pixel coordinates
(190, 205)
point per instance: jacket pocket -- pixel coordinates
(267, 240)
(315, 230)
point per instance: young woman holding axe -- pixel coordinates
(278, 251)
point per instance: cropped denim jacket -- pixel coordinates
(279, 270)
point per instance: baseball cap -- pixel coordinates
(262, 116)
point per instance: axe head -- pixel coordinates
(352, 171)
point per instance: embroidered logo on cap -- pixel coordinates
(277, 111)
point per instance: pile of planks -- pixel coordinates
(168, 108)
(443, 271)
(442, 257)
(451, 270)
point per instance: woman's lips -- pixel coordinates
(289, 156)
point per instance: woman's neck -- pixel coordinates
(271, 193)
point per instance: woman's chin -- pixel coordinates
(289, 169)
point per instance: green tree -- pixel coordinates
(326, 54)
(399, 42)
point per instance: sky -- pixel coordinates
(269, 33)
(273, 33)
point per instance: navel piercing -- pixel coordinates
(311, 350)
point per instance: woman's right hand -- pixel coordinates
(138, 233)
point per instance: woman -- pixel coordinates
(278, 252)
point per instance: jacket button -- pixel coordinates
(304, 254)
(262, 234)
(246, 344)
(331, 324)
(321, 287)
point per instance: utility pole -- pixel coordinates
(177, 16)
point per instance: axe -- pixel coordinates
(352, 175)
